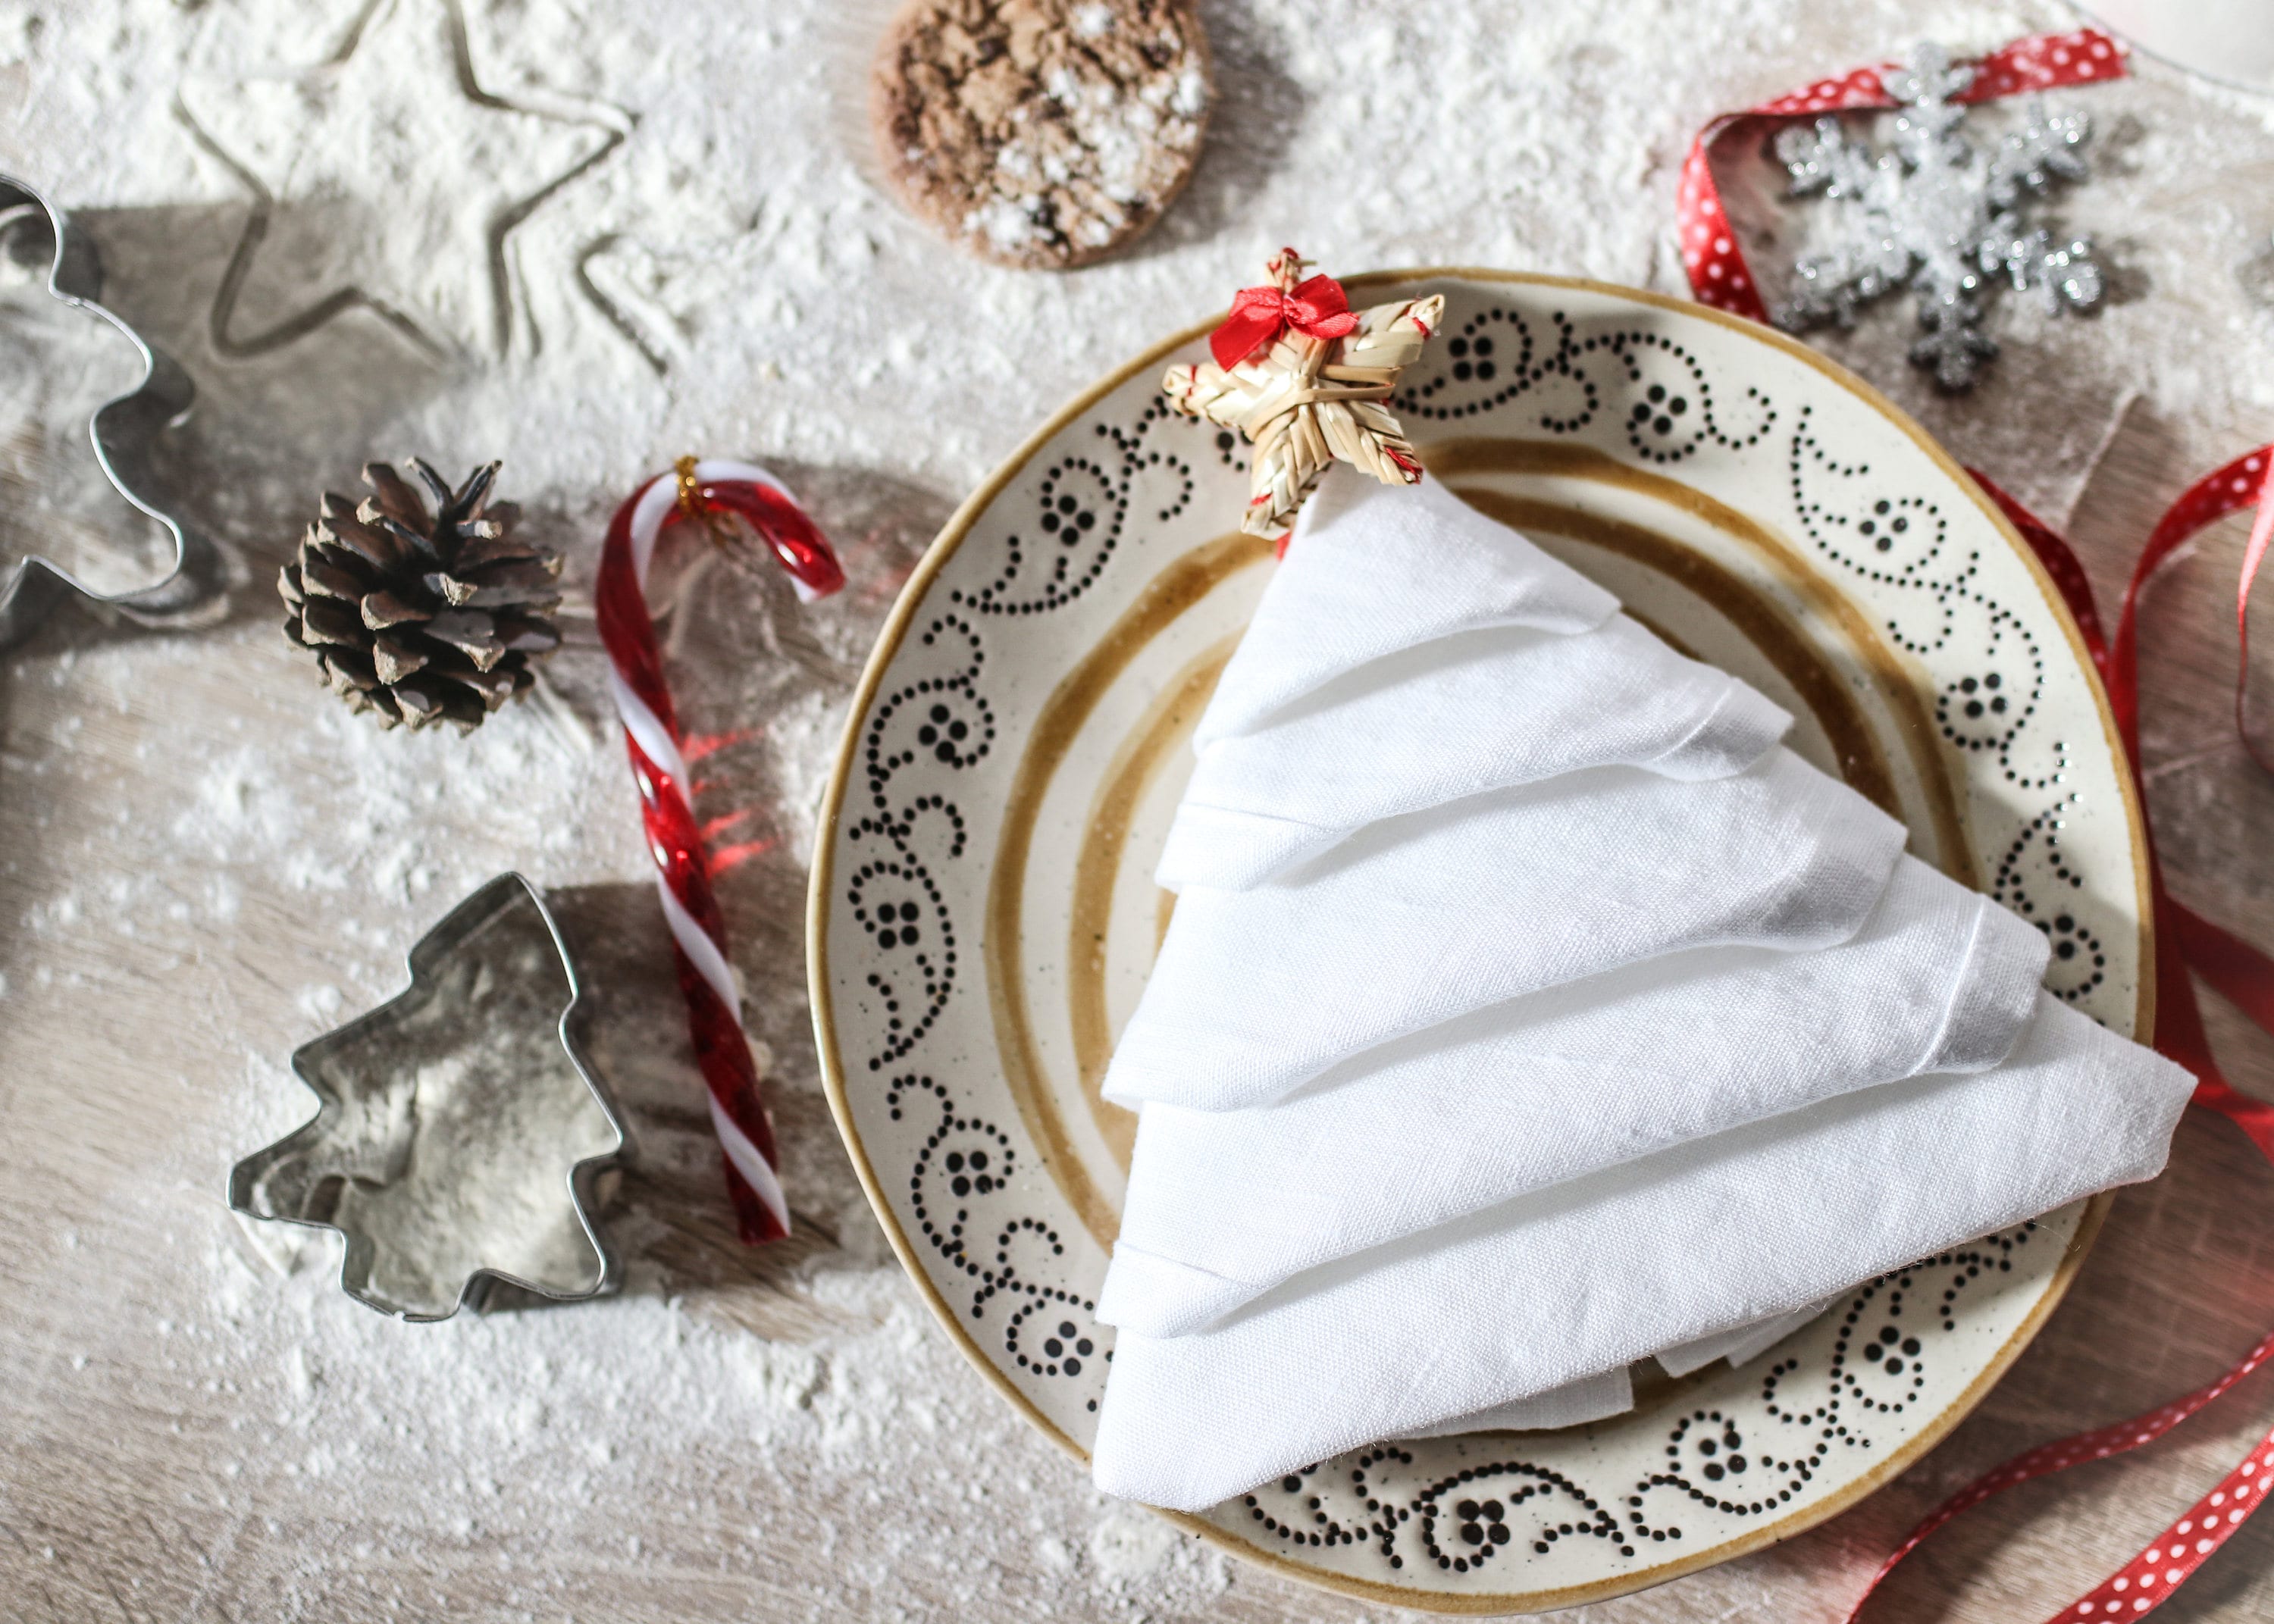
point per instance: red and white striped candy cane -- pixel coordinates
(652, 738)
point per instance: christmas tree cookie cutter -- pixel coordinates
(124, 432)
(463, 1136)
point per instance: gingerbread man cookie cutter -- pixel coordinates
(124, 433)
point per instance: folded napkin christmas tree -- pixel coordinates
(1529, 1010)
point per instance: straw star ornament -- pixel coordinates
(1305, 378)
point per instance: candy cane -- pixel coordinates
(651, 738)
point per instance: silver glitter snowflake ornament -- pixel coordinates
(1937, 215)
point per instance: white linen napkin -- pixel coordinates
(1591, 1398)
(1416, 919)
(1452, 717)
(1584, 1278)
(1740, 1346)
(1224, 1204)
(1501, 1038)
(1595, 1398)
(1376, 578)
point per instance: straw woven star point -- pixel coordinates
(1308, 380)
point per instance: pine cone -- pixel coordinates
(421, 617)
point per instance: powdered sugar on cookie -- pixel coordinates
(1039, 133)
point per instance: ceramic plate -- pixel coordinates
(984, 914)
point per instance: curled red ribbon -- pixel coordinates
(1318, 308)
(2185, 940)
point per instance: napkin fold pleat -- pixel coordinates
(1434, 723)
(1740, 1346)
(1596, 1398)
(1588, 1275)
(1591, 1398)
(1224, 1205)
(1378, 580)
(1416, 919)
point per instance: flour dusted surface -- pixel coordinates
(208, 861)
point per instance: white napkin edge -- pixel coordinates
(1599, 1398)
(1997, 993)
(1590, 1398)
(1740, 1345)
(1994, 998)
(1743, 710)
(1238, 848)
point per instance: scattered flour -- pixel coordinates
(205, 844)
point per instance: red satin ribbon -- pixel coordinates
(1718, 274)
(2185, 940)
(1318, 308)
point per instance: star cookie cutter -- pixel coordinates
(124, 432)
(453, 1167)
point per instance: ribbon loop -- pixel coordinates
(1720, 276)
(1317, 309)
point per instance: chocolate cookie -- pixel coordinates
(1041, 133)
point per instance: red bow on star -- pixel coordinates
(1318, 308)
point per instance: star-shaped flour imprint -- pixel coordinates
(386, 178)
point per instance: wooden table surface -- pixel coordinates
(204, 863)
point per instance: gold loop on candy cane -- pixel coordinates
(693, 505)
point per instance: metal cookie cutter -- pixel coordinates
(123, 431)
(462, 1133)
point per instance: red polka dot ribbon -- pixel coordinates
(2185, 940)
(675, 839)
(1718, 274)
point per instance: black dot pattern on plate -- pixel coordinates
(1734, 1463)
(896, 901)
(942, 722)
(1651, 387)
(940, 719)
(1901, 541)
(2036, 879)
(1080, 507)
(987, 1217)
(963, 1190)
